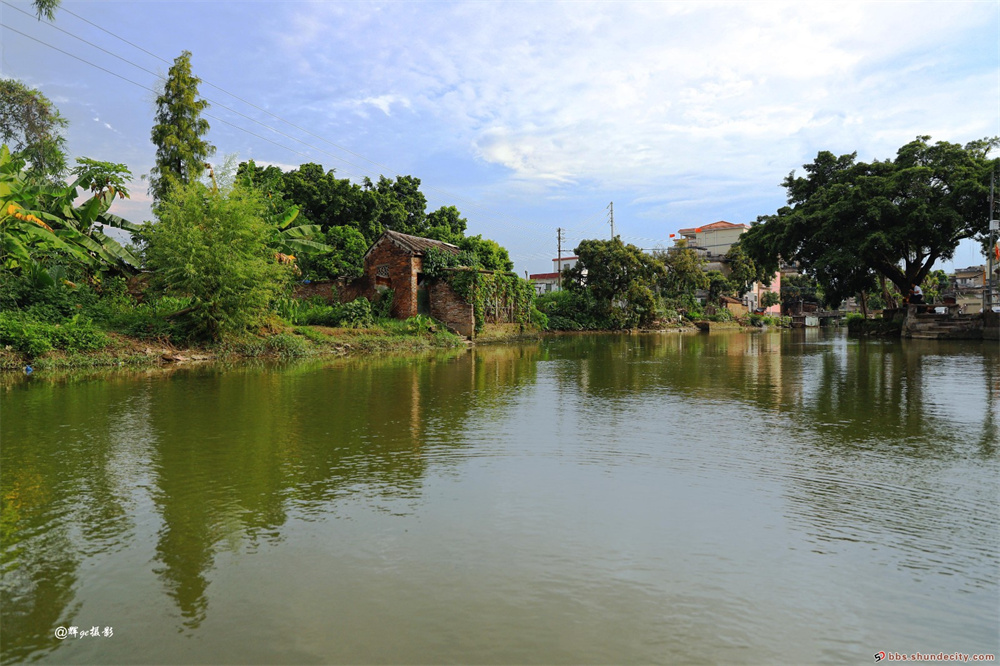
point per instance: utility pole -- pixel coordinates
(990, 283)
(612, 207)
(559, 240)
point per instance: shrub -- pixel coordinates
(213, 246)
(33, 337)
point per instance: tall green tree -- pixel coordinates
(853, 224)
(178, 134)
(620, 278)
(32, 128)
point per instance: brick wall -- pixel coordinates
(402, 277)
(449, 308)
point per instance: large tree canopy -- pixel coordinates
(620, 278)
(848, 223)
(32, 127)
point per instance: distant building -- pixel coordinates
(548, 282)
(972, 277)
(712, 242)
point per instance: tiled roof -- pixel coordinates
(715, 226)
(544, 276)
(415, 245)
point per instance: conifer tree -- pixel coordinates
(180, 149)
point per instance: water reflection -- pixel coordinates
(617, 460)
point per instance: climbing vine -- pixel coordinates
(495, 297)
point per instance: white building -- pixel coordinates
(549, 282)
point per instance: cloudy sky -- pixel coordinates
(530, 116)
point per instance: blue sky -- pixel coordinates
(531, 116)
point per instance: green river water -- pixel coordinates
(774, 497)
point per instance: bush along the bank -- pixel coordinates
(315, 312)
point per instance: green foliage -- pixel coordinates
(32, 127)
(683, 278)
(571, 311)
(213, 246)
(934, 285)
(849, 222)
(315, 312)
(769, 299)
(344, 258)
(39, 222)
(495, 297)
(539, 318)
(445, 224)
(800, 287)
(32, 336)
(46, 8)
(180, 149)
(743, 270)
(437, 261)
(619, 278)
(488, 254)
(718, 286)
(382, 306)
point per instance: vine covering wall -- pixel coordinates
(496, 298)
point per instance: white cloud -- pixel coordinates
(573, 92)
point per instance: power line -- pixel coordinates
(483, 212)
(500, 217)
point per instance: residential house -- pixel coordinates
(712, 242)
(549, 282)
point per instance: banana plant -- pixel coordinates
(291, 240)
(41, 216)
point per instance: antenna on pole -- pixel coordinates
(612, 207)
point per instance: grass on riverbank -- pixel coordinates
(387, 336)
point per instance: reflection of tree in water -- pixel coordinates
(243, 449)
(63, 499)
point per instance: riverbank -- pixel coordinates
(289, 343)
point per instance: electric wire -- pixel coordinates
(483, 211)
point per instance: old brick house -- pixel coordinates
(395, 261)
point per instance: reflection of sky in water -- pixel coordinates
(743, 497)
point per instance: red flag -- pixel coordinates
(698, 230)
(671, 235)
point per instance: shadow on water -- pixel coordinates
(211, 459)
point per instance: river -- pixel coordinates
(770, 497)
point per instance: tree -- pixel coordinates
(213, 246)
(620, 278)
(852, 224)
(684, 274)
(742, 270)
(403, 206)
(40, 223)
(32, 127)
(769, 299)
(489, 254)
(718, 286)
(180, 149)
(446, 224)
(347, 249)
